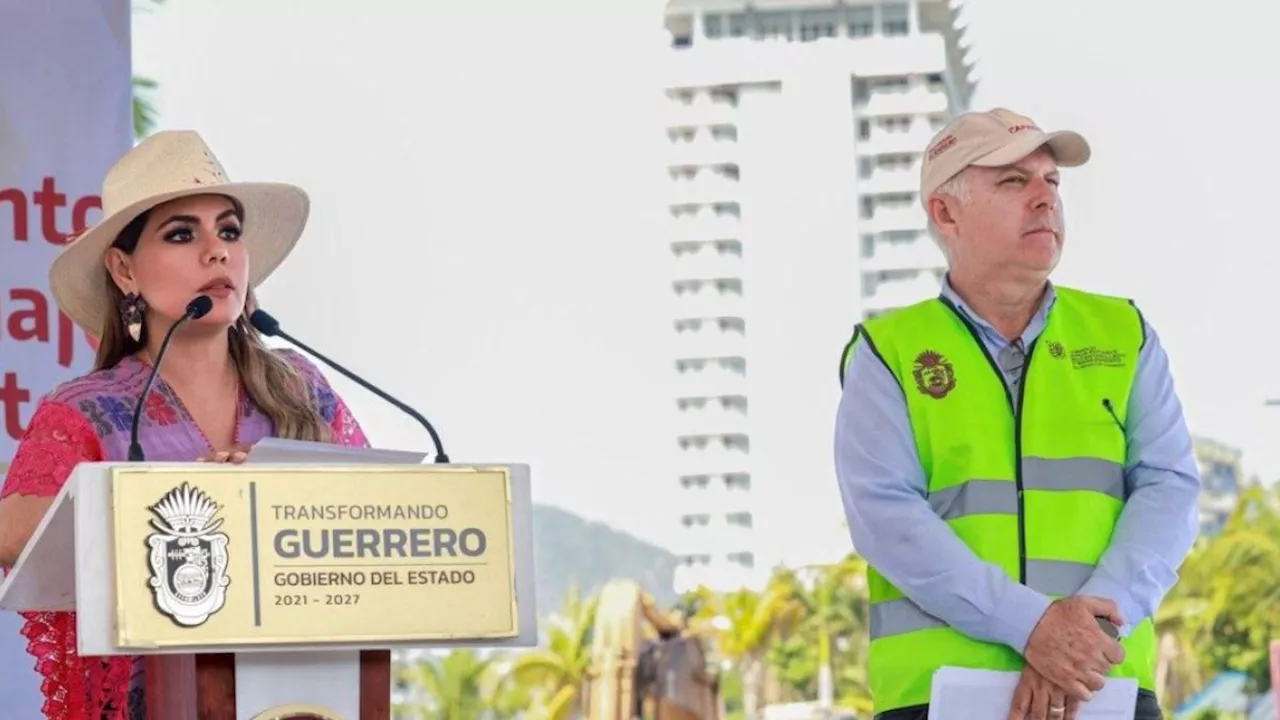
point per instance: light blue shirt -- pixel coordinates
(892, 526)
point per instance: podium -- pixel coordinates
(277, 591)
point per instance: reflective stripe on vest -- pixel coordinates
(1038, 495)
(1058, 578)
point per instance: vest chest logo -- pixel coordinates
(1096, 357)
(934, 375)
(1087, 357)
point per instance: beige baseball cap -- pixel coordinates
(993, 138)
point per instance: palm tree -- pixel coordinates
(1237, 577)
(144, 109)
(749, 624)
(449, 688)
(1220, 615)
(556, 675)
(1181, 628)
(831, 641)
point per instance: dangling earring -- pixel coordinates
(131, 309)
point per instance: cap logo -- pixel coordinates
(942, 146)
(1013, 129)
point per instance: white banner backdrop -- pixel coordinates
(65, 117)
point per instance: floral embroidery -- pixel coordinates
(346, 431)
(100, 424)
(115, 410)
(159, 411)
(326, 400)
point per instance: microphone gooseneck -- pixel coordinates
(269, 326)
(196, 309)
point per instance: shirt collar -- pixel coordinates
(1034, 327)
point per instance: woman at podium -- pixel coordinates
(173, 229)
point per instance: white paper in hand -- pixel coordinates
(966, 694)
(275, 450)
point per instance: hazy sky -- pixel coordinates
(485, 237)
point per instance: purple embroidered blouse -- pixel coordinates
(88, 420)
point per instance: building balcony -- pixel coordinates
(704, 150)
(706, 261)
(707, 494)
(704, 189)
(709, 421)
(713, 459)
(716, 538)
(709, 342)
(919, 254)
(703, 227)
(711, 380)
(913, 141)
(917, 101)
(718, 575)
(891, 182)
(702, 112)
(905, 219)
(707, 303)
(891, 294)
(732, 61)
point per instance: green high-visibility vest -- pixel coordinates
(1033, 483)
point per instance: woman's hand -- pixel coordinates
(235, 455)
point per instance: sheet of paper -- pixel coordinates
(275, 450)
(965, 694)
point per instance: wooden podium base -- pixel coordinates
(203, 687)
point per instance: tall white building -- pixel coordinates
(796, 131)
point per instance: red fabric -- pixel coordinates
(346, 431)
(57, 439)
(75, 688)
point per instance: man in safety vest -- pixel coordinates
(1012, 455)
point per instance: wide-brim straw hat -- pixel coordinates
(168, 165)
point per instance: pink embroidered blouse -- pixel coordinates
(88, 420)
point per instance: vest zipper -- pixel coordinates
(1015, 407)
(1017, 459)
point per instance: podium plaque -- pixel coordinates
(278, 590)
(314, 555)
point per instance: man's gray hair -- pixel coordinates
(957, 187)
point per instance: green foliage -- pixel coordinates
(832, 633)
(731, 689)
(796, 665)
(1217, 715)
(450, 689)
(144, 109)
(1222, 613)
(555, 675)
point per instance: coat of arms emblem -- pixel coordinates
(188, 556)
(933, 374)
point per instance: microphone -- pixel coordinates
(196, 309)
(269, 326)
